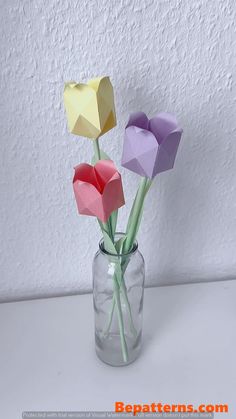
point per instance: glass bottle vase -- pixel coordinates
(118, 284)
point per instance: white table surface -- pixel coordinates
(47, 359)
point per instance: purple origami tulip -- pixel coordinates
(150, 146)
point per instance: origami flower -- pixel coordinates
(90, 107)
(150, 146)
(98, 189)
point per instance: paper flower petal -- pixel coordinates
(138, 119)
(98, 189)
(162, 125)
(140, 151)
(148, 152)
(90, 107)
(167, 153)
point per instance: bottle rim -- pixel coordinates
(118, 255)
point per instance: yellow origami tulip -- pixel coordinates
(90, 107)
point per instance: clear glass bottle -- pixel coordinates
(118, 283)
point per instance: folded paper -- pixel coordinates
(150, 146)
(90, 107)
(98, 189)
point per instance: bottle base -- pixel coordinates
(108, 350)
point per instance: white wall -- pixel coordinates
(171, 55)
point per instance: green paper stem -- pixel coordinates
(110, 248)
(118, 278)
(131, 232)
(125, 297)
(136, 212)
(120, 319)
(121, 283)
(113, 222)
(110, 229)
(107, 330)
(97, 151)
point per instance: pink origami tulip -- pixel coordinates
(98, 189)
